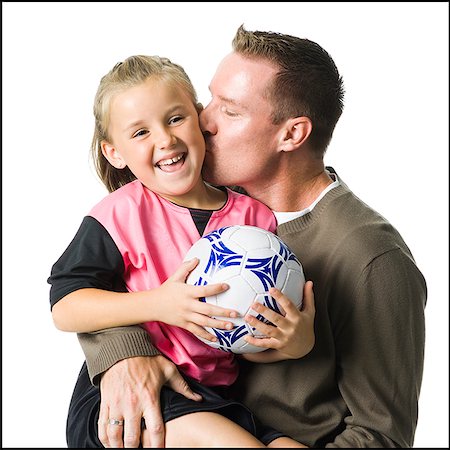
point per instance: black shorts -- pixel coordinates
(82, 431)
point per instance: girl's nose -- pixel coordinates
(165, 139)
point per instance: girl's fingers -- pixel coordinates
(184, 270)
(308, 298)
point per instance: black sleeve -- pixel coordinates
(92, 260)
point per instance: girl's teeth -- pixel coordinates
(168, 162)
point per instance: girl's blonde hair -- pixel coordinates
(133, 71)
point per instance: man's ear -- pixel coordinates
(112, 155)
(295, 132)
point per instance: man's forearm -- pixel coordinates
(104, 348)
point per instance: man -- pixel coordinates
(275, 102)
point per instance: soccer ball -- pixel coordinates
(250, 260)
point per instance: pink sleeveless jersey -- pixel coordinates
(153, 236)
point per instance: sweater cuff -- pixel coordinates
(119, 347)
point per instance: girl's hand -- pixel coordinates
(291, 336)
(179, 304)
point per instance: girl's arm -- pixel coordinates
(174, 302)
(292, 336)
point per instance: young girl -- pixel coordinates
(124, 265)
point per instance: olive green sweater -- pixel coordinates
(359, 386)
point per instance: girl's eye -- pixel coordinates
(140, 133)
(175, 119)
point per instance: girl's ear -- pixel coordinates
(199, 107)
(112, 155)
(295, 132)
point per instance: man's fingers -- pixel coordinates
(115, 431)
(153, 432)
(132, 432)
(102, 424)
(179, 384)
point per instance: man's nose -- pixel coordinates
(206, 124)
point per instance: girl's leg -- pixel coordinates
(208, 429)
(286, 442)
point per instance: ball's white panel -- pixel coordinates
(239, 296)
(250, 238)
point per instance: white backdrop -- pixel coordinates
(390, 146)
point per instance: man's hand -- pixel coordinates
(130, 391)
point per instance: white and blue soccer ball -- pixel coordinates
(250, 260)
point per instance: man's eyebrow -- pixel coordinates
(231, 101)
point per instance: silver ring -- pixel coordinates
(115, 422)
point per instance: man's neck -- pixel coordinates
(292, 191)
